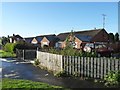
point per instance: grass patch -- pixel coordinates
(4, 54)
(26, 84)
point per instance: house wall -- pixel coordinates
(34, 41)
(44, 41)
(63, 44)
(11, 40)
(52, 44)
(78, 43)
(14, 41)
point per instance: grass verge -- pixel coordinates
(26, 84)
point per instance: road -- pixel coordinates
(12, 68)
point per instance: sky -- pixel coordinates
(30, 19)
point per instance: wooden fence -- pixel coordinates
(52, 62)
(79, 66)
(89, 66)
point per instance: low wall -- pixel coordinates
(52, 62)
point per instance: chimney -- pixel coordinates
(13, 34)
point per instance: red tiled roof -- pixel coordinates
(91, 33)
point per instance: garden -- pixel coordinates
(112, 79)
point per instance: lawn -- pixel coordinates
(4, 54)
(26, 84)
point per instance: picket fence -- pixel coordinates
(79, 66)
(89, 66)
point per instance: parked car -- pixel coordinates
(100, 49)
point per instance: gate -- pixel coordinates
(26, 54)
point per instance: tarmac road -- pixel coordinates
(13, 68)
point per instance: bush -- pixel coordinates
(60, 74)
(112, 78)
(54, 51)
(9, 47)
(6, 54)
(72, 52)
(24, 45)
(37, 62)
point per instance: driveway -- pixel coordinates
(12, 68)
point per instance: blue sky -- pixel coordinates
(37, 18)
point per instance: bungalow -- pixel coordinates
(49, 40)
(37, 40)
(83, 37)
(43, 40)
(34, 40)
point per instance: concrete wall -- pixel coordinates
(52, 62)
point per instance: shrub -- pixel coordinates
(112, 78)
(54, 51)
(24, 45)
(89, 54)
(37, 62)
(7, 54)
(60, 74)
(9, 47)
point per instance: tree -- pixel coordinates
(116, 37)
(70, 40)
(5, 40)
(111, 36)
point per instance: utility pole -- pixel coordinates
(103, 20)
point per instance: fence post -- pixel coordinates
(23, 54)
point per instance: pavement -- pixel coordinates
(13, 68)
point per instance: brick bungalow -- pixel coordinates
(49, 40)
(34, 40)
(83, 37)
(40, 41)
